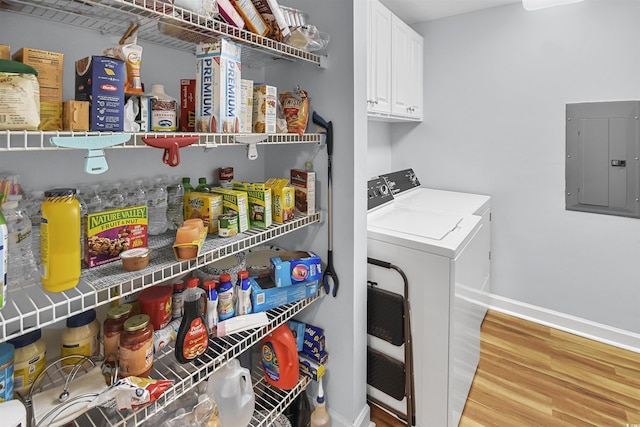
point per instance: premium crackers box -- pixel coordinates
(218, 87)
(259, 200)
(206, 206)
(111, 232)
(100, 80)
(304, 183)
(246, 106)
(235, 201)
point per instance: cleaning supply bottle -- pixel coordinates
(230, 387)
(243, 289)
(279, 356)
(226, 309)
(193, 338)
(320, 416)
(60, 240)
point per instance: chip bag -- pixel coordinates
(131, 393)
(296, 110)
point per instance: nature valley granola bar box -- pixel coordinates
(259, 199)
(206, 206)
(235, 201)
(111, 232)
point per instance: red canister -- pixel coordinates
(156, 302)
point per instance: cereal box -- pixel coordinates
(246, 105)
(259, 199)
(304, 183)
(206, 206)
(110, 232)
(265, 101)
(75, 115)
(235, 201)
(5, 51)
(282, 196)
(100, 80)
(218, 87)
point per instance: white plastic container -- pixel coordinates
(230, 387)
(14, 414)
(164, 110)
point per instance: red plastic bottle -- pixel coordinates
(279, 356)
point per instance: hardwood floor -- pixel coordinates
(532, 375)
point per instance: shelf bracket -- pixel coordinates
(96, 162)
(252, 144)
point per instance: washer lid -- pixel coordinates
(414, 222)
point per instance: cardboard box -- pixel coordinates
(321, 357)
(259, 200)
(49, 66)
(218, 87)
(311, 368)
(235, 201)
(100, 80)
(265, 102)
(206, 206)
(111, 232)
(187, 105)
(282, 199)
(272, 14)
(289, 268)
(265, 295)
(75, 115)
(252, 18)
(230, 14)
(297, 329)
(246, 106)
(5, 51)
(304, 183)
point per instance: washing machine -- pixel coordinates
(443, 249)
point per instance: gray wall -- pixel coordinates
(496, 84)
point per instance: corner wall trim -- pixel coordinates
(567, 323)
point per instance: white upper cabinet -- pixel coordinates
(395, 69)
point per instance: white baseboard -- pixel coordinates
(575, 325)
(363, 419)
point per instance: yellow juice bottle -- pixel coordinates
(60, 240)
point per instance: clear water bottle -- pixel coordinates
(84, 210)
(92, 198)
(134, 194)
(33, 207)
(116, 196)
(175, 203)
(157, 207)
(21, 268)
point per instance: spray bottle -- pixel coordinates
(320, 416)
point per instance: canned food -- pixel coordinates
(228, 224)
(225, 176)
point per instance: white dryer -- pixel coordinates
(444, 253)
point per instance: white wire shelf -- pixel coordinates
(160, 23)
(40, 140)
(270, 401)
(31, 307)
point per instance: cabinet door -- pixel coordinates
(401, 84)
(415, 80)
(379, 59)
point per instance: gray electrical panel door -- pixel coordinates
(603, 146)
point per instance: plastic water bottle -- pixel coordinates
(84, 210)
(202, 187)
(243, 288)
(175, 204)
(157, 207)
(226, 309)
(186, 185)
(21, 268)
(33, 208)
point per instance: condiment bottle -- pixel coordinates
(193, 337)
(243, 299)
(176, 303)
(60, 240)
(226, 309)
(202, 187)
(212, 306)
(195, 292)
(135, 354)
(113, 327)
(29, 360)
(81, 337)
(164, 117)
(186, 184)
(320, 416)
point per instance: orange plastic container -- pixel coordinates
(279, 355)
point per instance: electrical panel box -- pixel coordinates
(603, 146)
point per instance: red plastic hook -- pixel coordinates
(171, 146)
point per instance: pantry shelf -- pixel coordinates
(31, 307)
(160, 23)
(40, 140)
(270, 401)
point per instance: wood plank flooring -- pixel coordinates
(532, 375)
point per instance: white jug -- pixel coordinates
(231, 388)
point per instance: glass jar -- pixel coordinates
(113, 327)
(29, 360)
(135, 354)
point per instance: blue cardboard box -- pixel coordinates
(100, 80)
(289, 268)
(297, 328)
(265, 295)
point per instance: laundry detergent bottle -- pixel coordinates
(279, 356)
(230, 387)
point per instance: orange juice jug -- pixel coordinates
(60, 240)
(279, 355)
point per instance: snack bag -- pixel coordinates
(296, 110)
(131, 393)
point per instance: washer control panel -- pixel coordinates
(378, 193)
(401, 181)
